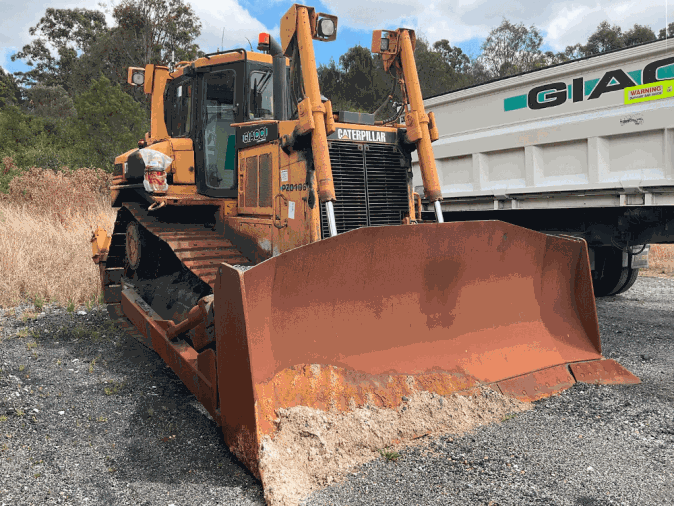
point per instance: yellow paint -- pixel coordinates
(157, 125)
(272, 150)
(182, 167)
(649, 92)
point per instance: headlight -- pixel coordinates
(138, 78)
(326, 27)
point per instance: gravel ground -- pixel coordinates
(88, 417)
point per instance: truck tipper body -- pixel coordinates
(558, 150)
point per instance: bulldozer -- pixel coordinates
(271, 251)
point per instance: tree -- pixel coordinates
(50, 102)
(74, 46)
(638, 35)
(453, 56)
(331, 80)
(670, 31)
(478, 73)
(18, 130)
(9, 90)
(69, 32)
(436, 73)
(148, 31)
(605, 38)
(358, 83)
(574, 52)
(510, 49)
(109, 122)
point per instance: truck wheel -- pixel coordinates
(631, 279)
(609, 275)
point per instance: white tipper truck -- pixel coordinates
(559, 151)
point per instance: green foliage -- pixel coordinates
(38, 302)
(359, 83)
(115, 388)
(28, 141)
(389, 455)
(605, 38)
(456, 59)
(69, 32)
(50, 102)
(441, 67)
(108, 121)
(609, 38)
(18, 129)
(9, 90)
(150, 29)
(83, 46)
(638, 35)
(670, 31)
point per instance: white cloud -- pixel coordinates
(370, 14)
(573, 22)
(229, 16)
(565, 22)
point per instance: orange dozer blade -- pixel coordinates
(376, 313)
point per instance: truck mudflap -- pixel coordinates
(375, 314)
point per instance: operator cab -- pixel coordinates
(204, 102)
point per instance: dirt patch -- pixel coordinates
(660, 261)
(314, 448)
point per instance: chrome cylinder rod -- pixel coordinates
(332, 224)
(438, 211)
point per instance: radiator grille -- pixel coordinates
(251, 182)
(370, 184)
(265, 180)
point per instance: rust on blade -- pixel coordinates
(538, 384)
(328, 387)
(605, 372)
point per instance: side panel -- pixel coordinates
(563, 129)
(183, 166)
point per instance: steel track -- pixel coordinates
(199, 249)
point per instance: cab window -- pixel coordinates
(179, 108)
(260, 95)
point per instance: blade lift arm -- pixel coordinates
(299, 27)
(397, 50)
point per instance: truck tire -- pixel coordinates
(631, 279)
(609, 275)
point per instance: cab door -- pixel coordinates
(215, 140)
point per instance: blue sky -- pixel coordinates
(465, 23)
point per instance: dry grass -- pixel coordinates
(660, 261)
(46, 222)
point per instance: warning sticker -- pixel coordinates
(284, 176)
(291, 210)
(648, 92)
